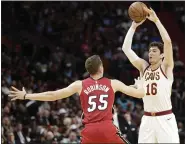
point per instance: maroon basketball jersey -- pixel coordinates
(97, 98)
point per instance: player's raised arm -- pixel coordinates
(168, 50)
(128, 90)
(73, 88)
(139, 63)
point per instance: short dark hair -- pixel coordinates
(92, 64)
(157, 44)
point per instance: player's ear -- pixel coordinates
(162, 55)
(101, 68)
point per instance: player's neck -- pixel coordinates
(96, 77)
(155, 66)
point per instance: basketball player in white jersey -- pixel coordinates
(158, 124)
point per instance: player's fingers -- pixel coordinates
(11, 95)
(149, 17)
(14, 88)
(12, 92)
(147, 10)
(14, 98)
(151, 9)
(142, 21)
(23, 89)
(142, 79)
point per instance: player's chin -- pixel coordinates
(150, 61)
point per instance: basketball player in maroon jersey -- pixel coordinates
(97, 98)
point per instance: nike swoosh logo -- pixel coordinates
(169, 119)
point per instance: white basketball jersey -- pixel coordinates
(157, 91)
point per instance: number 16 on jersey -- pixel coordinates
(151, 89)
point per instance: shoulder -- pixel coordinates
(114, 84)
(105, 80)
(167, 71)
(77, 83)
(113, 81)
(77, 86)
(140, 64)
(165, 66)
(144, 67)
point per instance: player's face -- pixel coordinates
(154, 55)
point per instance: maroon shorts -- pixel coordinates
(101, 132)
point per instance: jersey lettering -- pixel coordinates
(152, 76)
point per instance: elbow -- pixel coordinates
(54, 99)
(52, 96)
(141, 94)
(124, 48)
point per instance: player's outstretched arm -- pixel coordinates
(73, 88)
(139, 63)
(128, 90)
(168, 50)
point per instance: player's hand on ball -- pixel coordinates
(152, 15)
(135, 25)
(139, 82)
(17, 94)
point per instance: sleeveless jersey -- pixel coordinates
(97, 98)
(157, 91)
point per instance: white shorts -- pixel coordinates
(158, 129)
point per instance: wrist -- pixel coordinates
(133, 27)
(24, 96)
(156, 20)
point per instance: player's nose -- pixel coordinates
(150, 55)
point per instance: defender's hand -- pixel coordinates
(139, 82)
(152, 15)
(17, 94)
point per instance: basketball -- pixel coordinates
(136, 11)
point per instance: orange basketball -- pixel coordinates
(136, 11)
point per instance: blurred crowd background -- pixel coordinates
(44, 46)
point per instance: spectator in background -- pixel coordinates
(11, 138)
(125, 103)
(125, 124)
(72, 138)
(181, 132)
(20, 137)
(131, 128)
